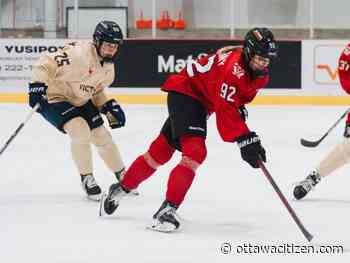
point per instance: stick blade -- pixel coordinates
(308, 236)
(307, 143)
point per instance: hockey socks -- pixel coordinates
(179, 182)
(137, 173)
(145, 165)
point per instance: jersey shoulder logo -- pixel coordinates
(238, 71)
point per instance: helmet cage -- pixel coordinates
(110, 32)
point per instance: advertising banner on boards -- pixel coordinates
(319, 66)
(17, 57)
(146, 63)
(142, 63)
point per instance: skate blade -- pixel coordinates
(134, 192)
(95, 198)
(102, 200)
(162, 227)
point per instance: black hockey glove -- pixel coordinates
(243, 112)
(37, 94)
(251, 149)
(114, 114)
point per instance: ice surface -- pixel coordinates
(44, 216)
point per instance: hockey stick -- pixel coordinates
(19, 128)
(307, 143)
(307, 235)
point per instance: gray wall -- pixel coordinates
(217, 14)
(203, 13)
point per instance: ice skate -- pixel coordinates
(110, 202)
(90, 187)
(119, 175)
(305, 186)
(165, 220)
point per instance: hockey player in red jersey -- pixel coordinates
(220, 83)
(344, 77)
(339, 156)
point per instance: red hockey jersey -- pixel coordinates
(222, 84)
(343, 69)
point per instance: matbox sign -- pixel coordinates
(147, 63)
(17, 57)
(320, 66)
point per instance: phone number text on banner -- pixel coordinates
(17, 57)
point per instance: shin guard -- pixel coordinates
(181, 177)
(145, 165)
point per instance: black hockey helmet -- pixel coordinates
(107, 31)
(261, 42)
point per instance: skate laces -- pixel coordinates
(169, 211)
(311, 180)
(307, 184)
(89, 181)
(314, 177)
(117, 192)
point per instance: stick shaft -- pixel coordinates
(19, 128)
(296, 219)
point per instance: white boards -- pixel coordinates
(89, 17)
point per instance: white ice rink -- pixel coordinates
(44, 216)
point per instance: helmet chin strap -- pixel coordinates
(104, 59)
(256, 72)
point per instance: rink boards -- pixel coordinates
(155, 99)
(305, 74)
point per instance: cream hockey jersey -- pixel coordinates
(74, 74)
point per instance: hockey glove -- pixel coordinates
(114, 113)
(37, 94)
(251, 149)
(243, 112)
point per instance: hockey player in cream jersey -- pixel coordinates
(69, 85)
